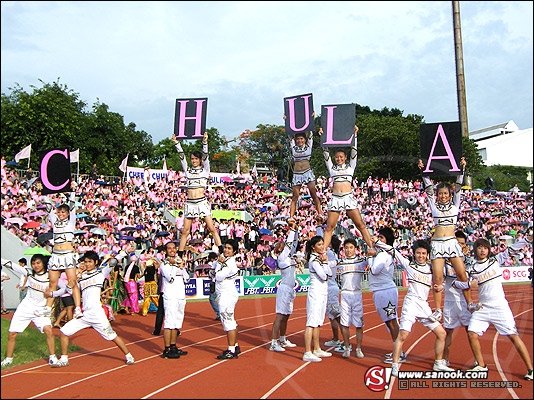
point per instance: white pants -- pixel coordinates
(351, 308)
(91, 319)
(455, 314)
(415, 310)
(24, 314)
(386, 302)
(227, 303)
(174, 313)
(500, 316)
(285, 296)
(332, 302)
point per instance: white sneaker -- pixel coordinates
(436, 316)
(341, 348)
(287, 343)
(309, 356)
(359, 353)
(78, 313)
(441, 365)
(60, 363)
(7, 361)
(333, 343)
(395, 369)
(346, 353)
(129, 359)
(321, 353)
(52, 360)
(276, 347)
(478, 368)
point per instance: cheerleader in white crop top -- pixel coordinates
(64, 257)
(198, 178)
(342, 195)
(444, 245)
(301, 149)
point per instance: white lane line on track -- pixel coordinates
(136, 342)
(496, 359)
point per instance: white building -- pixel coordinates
(505, 144)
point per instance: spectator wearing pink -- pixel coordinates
(130, 282)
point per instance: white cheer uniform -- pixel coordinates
(90, 284)
(444, 214)
(342, 173)
(415, 307)
(385, 292)
(317, 292)
(352, 271)
(285, 293)
(227, 295)
(196, 178)
(302, 153)
(63, 231)
(496, 309)
(174, 280)
(32, 302)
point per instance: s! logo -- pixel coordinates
(377, 378)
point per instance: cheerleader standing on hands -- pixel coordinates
(444, 244)
(196, 206)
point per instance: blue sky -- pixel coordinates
(138, 57)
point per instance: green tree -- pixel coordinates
(269, 143)
(53, 116)
(50, 117)
(504, 177)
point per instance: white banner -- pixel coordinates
(74, 156)
(24, 153)
(515, 274)
(153, 174)
(123, 167)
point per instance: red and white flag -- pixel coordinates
(75, 156)
(24, 153)
(238, 168)
(124, 163)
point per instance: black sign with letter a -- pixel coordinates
(441, 148)
(190, 118)
(54, 167)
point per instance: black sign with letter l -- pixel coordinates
(299, 114)
(338, 122)
(441, 148)
(54, 168)
(190, 118)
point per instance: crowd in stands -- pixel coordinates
(115, 214)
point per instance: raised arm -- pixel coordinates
(181, 153)
(205, 154)
(458, 185)
(354, 149)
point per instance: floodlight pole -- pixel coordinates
(460, 76)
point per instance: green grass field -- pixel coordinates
(30, 346)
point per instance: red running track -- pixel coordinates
(99, 371)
